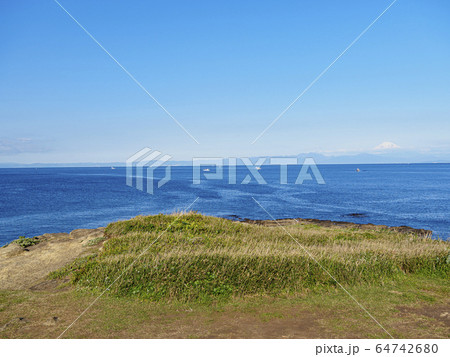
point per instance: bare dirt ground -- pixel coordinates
(23, 268)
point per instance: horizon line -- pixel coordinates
(185, 164)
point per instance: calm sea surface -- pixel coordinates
(43, 200)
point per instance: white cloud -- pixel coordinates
(21, 145)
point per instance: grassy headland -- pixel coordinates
(192, 257)
(189, 275)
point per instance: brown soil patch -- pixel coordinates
(440, 313)
(24, 268)
(293, 324)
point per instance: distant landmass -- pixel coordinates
(399, 157)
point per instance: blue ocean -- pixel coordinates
(34, 201)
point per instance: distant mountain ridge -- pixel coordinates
(387, 157)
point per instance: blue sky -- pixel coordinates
(225, 70)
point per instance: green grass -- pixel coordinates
(26, 242)
(95, 241)
(191, 257)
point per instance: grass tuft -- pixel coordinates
(26, 242)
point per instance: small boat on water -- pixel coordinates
(206, 170)
(113, 168)
(258, 168)
(358, 170)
